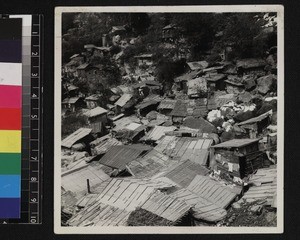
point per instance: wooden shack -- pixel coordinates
(255, 126)
(238, 157)
(92, 101)
(72, 104)
(124, 104)
(215, 81)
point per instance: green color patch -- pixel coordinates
(10, 163)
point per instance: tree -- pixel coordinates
(140, 22)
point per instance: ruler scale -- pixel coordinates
(31, 164)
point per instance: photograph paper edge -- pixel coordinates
(58, 229)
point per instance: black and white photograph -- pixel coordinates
(169, 119)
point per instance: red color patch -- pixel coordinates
(10, 118)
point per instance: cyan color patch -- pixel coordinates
(10, 186)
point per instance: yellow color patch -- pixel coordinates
(10, 141)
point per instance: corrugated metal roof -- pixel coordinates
(99, 214)
(69, 141)
(129, 193)
(116, 201)
(76, 181)
(266, 181)
(95, 112)
(102, 146)
(119, 156)
(184, 172)
(167, 104)
(125, 121)
(235, 143)
(123, 99)
(197, 65)
(202, 208)
(166, 206)
(149, 165)
(70, 100)
(256, 119)
(157, 132)
(212, 190)
(183, 148)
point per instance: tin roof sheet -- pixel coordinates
(125, 98)
(119, 156)
(256, 119)
(184, 172)
(157, 132)
(76, 181)
(95, 112)
(69, 141)
(150, 164)
(183, 148)
(166, 206)
(236, 143)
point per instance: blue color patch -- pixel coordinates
(10, 186)
(10, 208)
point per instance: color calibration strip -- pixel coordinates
(31, 145)
(10, 117)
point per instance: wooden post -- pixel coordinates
(88, 185)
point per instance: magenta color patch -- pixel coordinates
(10, 96)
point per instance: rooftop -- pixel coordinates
(184, 172)
(118, 156)
(167, 104)
(197, 65)
(123, 99)
(70, 100)
(69, 141)
(97, 111)
(183, 148)
(235, 143)
(256, 119)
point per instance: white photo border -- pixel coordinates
(58, 229)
